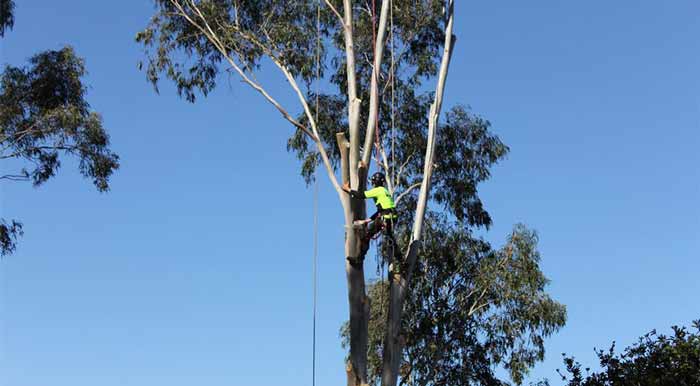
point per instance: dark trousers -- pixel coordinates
(389, 247)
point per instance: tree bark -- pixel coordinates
(374, 82)
(399, 282)
(354, 168)
(357, 299)
(354, 210)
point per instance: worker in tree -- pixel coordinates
(381, 221)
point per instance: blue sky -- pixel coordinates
(196, 267)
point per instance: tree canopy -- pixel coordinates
(43, 115)
(654, 360)
(252, 32)
(374, 61)
(472, 309)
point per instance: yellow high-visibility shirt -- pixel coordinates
(382, 199)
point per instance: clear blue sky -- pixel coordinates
(181, 276)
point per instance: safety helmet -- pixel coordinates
(378, 179)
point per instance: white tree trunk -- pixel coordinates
(374, 82)
(353, 173)
(399, 282)
(353, 210)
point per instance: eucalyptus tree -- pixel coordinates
(471, 310)
(380, 58)
(655, 359)
(43, 116)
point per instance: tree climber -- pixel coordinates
(381, 221)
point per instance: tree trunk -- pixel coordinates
(399, 282)
(357, 299)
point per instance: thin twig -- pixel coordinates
(335, 11)
(407, 191)
(213, 37)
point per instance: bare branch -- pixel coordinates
(235, 12)
(335, 11)
(432, 124)
(401, 168)
(374, 83)
(387, 170)
(256, 86)
(399, 283)
(407, 191)
(11, 155)
(15, 177)
(220, 47)
(310, 117)
(33, 129)
(343, 146)
(474, 307)
(473, 310)
(353, 102)
(213, 37)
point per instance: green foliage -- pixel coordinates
(9, 232)
(471, 308)
(248, 29)
(253, 30)
(43, 114)
(654, 360)
(466, 152)
(418, 35)
(7, 18)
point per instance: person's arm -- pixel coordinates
(358, 194)
(374, 192)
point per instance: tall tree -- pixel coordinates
(43, 116)
(655, 359)
(378, 56)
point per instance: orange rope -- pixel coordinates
(377, 142)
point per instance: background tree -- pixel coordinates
(191, 42)
(43, 115)
(471, 309)
(7, 16)
(656, 359)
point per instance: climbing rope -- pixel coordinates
(393, 97)
(315, 281)
(315, 247)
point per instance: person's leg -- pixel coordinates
(391, 253)
(373, 228)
